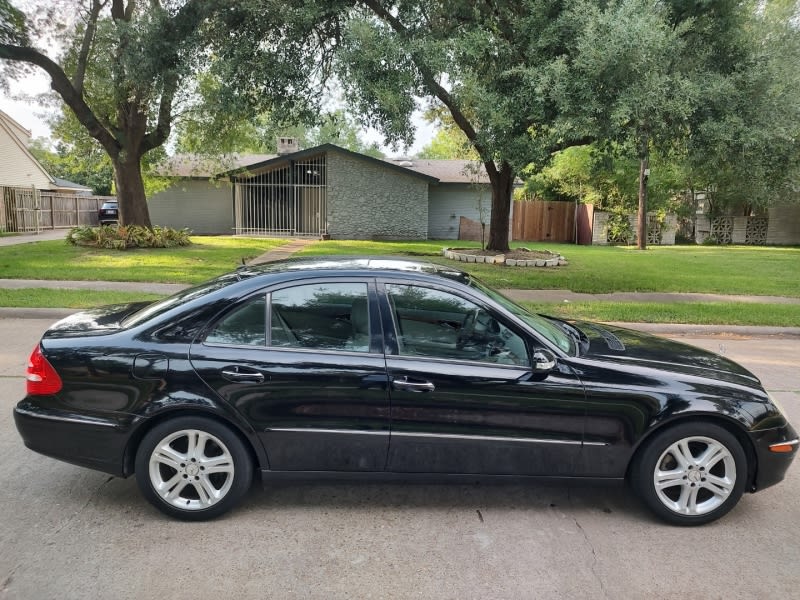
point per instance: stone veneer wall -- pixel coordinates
(369, 201)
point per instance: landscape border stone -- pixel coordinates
(453, 254)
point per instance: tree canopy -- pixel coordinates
(524, 79)
(126, 68)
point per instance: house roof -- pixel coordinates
(433, 170)
(446, 171)
(66, 184)
(326, 148)
(204, 167)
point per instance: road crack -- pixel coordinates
(9, 578)
(591, 547)
(89, 500)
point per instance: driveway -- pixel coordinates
(66, 532)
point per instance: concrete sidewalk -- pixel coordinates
(27, 238)
(660, 297)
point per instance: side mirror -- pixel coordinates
(544, 361)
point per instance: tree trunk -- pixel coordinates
(644, 173)
(130, 192)
(502, 182)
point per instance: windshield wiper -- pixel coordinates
(581, 339)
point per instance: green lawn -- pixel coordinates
(591, 269)
(207, 257)
(771, 271)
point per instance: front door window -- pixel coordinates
(439, 324)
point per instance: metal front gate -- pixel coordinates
(288, 199)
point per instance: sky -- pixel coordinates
(32, 117)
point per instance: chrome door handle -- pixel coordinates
(238, 375)
(403, 384)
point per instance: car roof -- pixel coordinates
(353, 265)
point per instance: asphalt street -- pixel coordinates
(67, 532)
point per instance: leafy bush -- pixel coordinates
(123, 237)
(618, 228)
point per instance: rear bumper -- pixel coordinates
(93, 442)
(772, 466)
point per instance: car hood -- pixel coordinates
(98, 321)
(624, 346)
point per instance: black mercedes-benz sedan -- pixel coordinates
(387, 368)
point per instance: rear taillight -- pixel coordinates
(42, 377)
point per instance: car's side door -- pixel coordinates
(313, 384)
(464, 396)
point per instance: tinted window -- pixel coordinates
(442, 325)
(544, 327)
(326, 316)
(243, 326)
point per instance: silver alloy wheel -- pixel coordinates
(191, 469)
(695, 475)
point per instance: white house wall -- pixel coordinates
(17, 167)
(202, 206)
(447, 202)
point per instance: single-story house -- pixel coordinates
(323, 191)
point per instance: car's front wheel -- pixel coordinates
(691, 474)
(193, 468)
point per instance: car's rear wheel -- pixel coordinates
(193, 468)
(690, 474)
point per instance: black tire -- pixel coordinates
(174, 464)
(678, 453)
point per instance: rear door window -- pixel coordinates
(325, 316)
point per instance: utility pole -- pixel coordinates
(644, 173)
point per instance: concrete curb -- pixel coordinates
(690, 330)
(53, 314)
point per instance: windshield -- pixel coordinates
(549, 330)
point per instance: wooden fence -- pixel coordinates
(27, 209)
(539, 221)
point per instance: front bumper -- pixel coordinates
(88, 441)
(771, 466)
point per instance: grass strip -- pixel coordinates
(62, 298)
(710, 313)
(752, 270)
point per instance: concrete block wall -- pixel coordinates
(600, 233)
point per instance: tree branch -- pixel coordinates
(120, 12)
(86, 45)
(160, 134)
(61, 84)
(430, 81)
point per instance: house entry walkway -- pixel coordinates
(282, 252)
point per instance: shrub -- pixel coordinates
(123, 237)
(619, 230)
